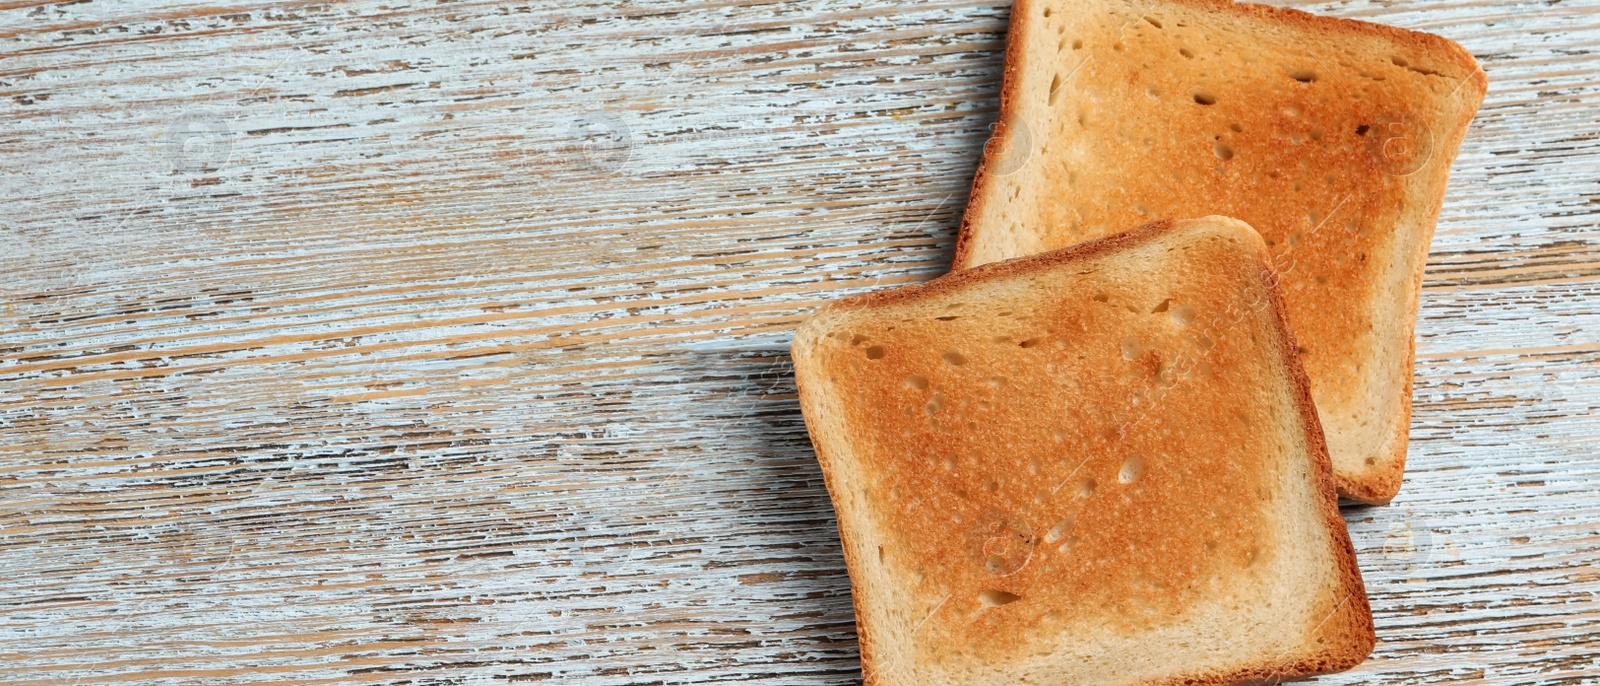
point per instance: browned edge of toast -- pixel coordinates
(1360, 631)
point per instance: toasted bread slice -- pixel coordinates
(1331, 137)
(1098, 465)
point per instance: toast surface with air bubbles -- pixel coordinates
(1094, 465)
(1333, 138)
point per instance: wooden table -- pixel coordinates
(445, 342)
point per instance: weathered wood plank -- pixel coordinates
(445, 342)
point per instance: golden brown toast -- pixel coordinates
(1098, 465)
(1331, 137)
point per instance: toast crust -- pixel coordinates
(1344, 636)
(1360, 372)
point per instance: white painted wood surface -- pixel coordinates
(444, 342)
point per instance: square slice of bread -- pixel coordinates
(1331, 137)
(1098, 465)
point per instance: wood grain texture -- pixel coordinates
(445, 342)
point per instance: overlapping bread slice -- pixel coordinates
(1331, 137)
(1098, 465)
